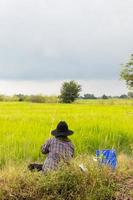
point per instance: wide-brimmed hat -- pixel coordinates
(62, 130)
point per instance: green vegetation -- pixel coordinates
(127, 72)
(69, 183)
(38, 98)
(98, 124)
(69, 91)
(25, 126)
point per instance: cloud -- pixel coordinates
(56, 40)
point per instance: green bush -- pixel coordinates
(42, 99)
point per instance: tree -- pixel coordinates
(127, 72)
(69, 91)
(130, 95)
(89, 96)
(104, 96)
(123, 96)
(37, 98)
(2, 97)
(21, 97)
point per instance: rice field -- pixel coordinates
(24, 127)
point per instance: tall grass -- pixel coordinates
(68, 182)
(25, 126)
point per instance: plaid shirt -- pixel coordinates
(56, 150)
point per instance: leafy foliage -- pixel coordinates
(104, 96)
(89, 96)
(130, 95)
(70, 91)
(127, 72)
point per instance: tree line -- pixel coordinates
(39, 98)
(56, 99)
(104, 96)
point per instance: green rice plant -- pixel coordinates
(24, 127)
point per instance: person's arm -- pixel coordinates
(73, 152)
(45, 147)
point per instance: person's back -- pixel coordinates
(57, 149)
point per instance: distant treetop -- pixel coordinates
(127, 72)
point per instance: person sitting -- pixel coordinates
(59, 148)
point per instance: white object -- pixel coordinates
(83, 168)
(95, 159)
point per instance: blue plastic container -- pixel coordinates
(107, 157)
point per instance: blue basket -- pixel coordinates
(107, 157)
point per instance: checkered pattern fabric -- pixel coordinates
(56, 150)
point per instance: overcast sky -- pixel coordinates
(43, 42)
